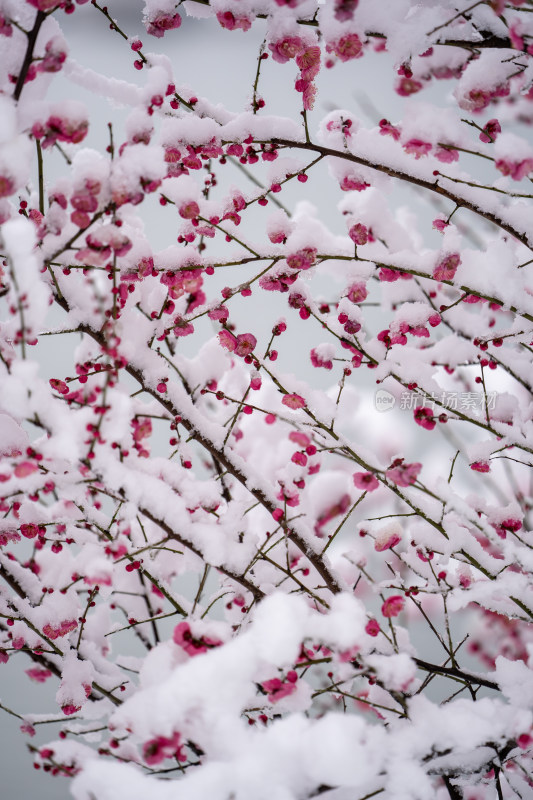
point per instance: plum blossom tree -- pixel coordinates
(195, 479)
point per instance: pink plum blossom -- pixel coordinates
(299, 438)
(509, 525)
(447, 267)
(358, 233)
(193, 646)
(231, 22)
(344, 9)
(440, 224)
(446, 154)
(69, 709)
(357, 292)
(54, 56)
(278, 689)
(285, 49)
(318, 361)
(189, 210)
(308, 61)
(38, 674)
(28, 729)
(372, 627)
(293, 401)
(424, 417)
(365, 481)
(6, 29)
(60, 129)
(7, 186)
(392, 606)
(302, 259)
(227, 340)
(386, 539)
(417, 148)
(490, 131)
(158, 749)
(245, 344)
(347, 47)
(25, 468)
(386, 129)
(29, 530)
(57, 631)
(517, 170)
(407, 86)
(402, 474)
(161, 22)
(353, 183)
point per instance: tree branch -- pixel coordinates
(454, 672)
(32, 39)
(404, 176)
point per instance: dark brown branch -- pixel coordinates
(312, 22)
(404, 176)
(453, 791)
(244, 582)
(42, 660)
(224, 458)
(32, 38)
(488, 42)
(12, 583)
(454, 672)
(38, 658)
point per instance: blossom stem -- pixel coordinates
(92, 594)
(344, 519)
(257, 182)
(40, 174)
(459, 14)
(255, 106)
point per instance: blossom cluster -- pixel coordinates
(214, 545)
